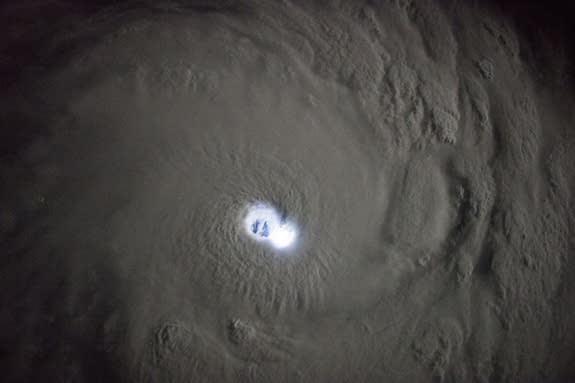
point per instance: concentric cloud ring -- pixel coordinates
(219, 122)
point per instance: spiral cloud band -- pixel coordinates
(287, 191)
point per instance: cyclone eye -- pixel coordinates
(265, 224)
